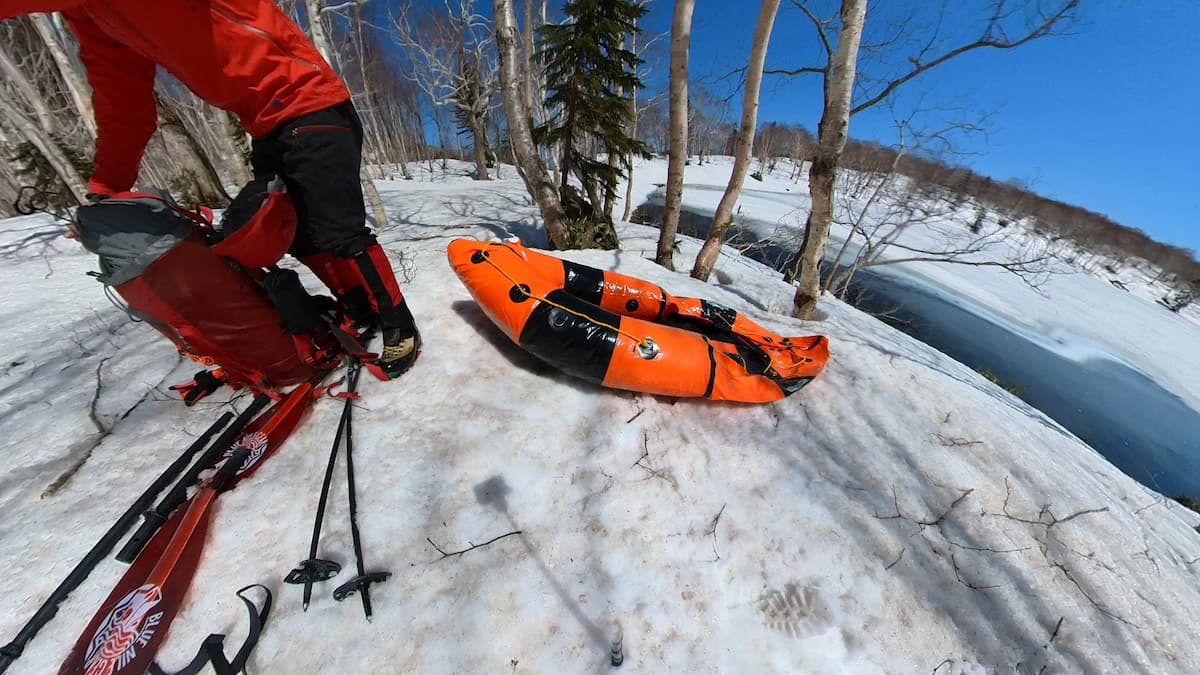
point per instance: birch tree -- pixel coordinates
(70, 70)
(33, 134)
(632, 132)
(831, 140)
(527, 48)
(454, 64)
(200, 168)
(316, 29)
(27, 90)
(1028, 21)
(30, 114)
(681, 37)
(743, 144)
(537, 180)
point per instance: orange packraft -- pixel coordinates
(626, 333)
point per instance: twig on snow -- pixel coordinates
(654, 473)
(955, 442)
(472, 547)
(1057, 626)
(712, 531)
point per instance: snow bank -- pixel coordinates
(899, 515)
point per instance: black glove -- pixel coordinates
(204, 383)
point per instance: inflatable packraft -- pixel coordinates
(626, 333)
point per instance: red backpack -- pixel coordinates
(209, 290)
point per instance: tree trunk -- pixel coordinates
(633, 131)
(440, 122)
(610, 197)
(28, 91)
(45, 144)
(373, 150)
(536, 179)
(528, 46)
(831, 140)
(208, 179)
(233, 144)
(681, 37)
(316, 29)
(373, 200)
(404, 156)
(744, 144)
(538, 112)
(479, 136)
(72, 76)
(10, 183)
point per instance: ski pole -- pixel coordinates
(155, 517)
(361, 582)
(11, 651)
(315, 569)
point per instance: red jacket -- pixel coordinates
(244, 56)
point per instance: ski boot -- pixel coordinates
(367, 289)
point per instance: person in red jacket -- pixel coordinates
(246, 57)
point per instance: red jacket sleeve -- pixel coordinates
(123, 97)
(11, 8)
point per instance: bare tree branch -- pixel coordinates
(821, 27)
(345, 5)
(1064, 14)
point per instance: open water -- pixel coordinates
(1144, 430)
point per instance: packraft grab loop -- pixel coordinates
(646, 348)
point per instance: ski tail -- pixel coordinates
(101, 549)
(131, 624)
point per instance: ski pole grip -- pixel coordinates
(151, 521)
(359, 583)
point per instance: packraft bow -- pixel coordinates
(626, 333)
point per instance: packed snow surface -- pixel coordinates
(899, 515)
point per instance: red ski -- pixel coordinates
(129, 627)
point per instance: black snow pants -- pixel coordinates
(318, 155)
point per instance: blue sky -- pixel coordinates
(1107, 118)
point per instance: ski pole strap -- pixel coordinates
(328, 390)
(212, 650)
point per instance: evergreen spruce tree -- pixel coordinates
(590, 77)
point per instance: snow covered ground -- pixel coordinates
(899, 515)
